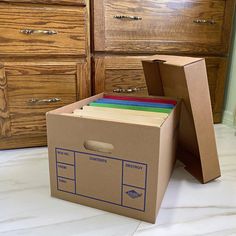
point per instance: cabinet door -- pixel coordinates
(190, 26)
(28, 91)
(125, 74)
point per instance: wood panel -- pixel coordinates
(25, 81)
(23, 141)
(228, 24)
(29, 118)
(125, 72)
(165, 26)
(83, 81)
(4, 108)
(98, 28)
(34, 68)
(54, 2)
(217, 75)
(69, 24)
(99, 70)
(40, 66)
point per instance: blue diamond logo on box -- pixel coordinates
(133, 194)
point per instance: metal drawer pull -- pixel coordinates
(44, 101)
(128, 17)
(202, 21)
(31, 31)
(129, 90)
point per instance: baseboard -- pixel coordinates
(229, 118)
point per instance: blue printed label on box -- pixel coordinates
(101, 178)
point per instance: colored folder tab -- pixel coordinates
(138, 108)
(134, 103)
(141, 99)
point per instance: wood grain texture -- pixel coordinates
(5, 126)
(23, 141)
(99, 75)
(24, 69)
(84, 69)
(113, 72)
(217, 75)
(228, 24)
(98, 10)
(32, 80)
(41, 66)
(54, 2)
(27, 118)
(123, 72)
(83, 81)
(166, 26)
(87, 27)
(69, 23)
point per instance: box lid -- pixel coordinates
(186, 78)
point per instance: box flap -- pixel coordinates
(186, 78)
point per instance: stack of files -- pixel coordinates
(130, 110)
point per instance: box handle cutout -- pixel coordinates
(96, 146)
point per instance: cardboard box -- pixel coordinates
(130, 179)
(186, 78)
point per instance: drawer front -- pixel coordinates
(117, 74)
(120, 75)
(31, 96)
(37, 29)
(132, 25)
(29, 90)
(59, 2)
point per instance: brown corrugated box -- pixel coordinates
(186, 78)
(130, 180)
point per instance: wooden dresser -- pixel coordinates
(126, 31)
(44, 64)
(46, 48)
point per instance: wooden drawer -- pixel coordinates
(54, 2)
(117, 74)
(28, 91)
(59, 2)
(191, 26)
(125, 73)
(36, 29)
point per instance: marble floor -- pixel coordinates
(189, 208)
